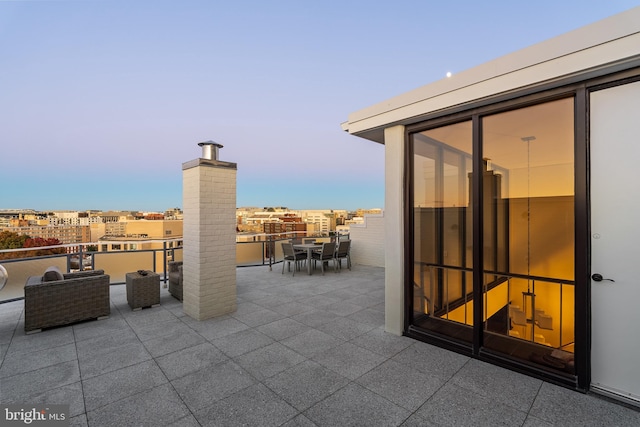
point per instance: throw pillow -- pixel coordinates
(52, 274)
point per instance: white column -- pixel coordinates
(209, 254)
(394, 229)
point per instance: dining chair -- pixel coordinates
(292, 256)
(344, 252)
(324, 255)
(308, 241)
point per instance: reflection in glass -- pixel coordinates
(527, 207)
(442, 167)
(528, 233)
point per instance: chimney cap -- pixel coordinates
(210, 142)
(210, 149)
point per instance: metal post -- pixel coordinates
(270, 250)
(164, 260)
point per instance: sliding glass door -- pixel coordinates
(526, 206)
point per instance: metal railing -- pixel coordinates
(442, 293)
(251, 250)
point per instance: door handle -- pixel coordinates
(598, 278)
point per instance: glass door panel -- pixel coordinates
(442, 234)
(528, 233)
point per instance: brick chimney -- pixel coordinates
(209, 254)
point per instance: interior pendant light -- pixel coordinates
(529, 293)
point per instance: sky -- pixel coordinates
(102, 101)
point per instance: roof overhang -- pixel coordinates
(612, 44)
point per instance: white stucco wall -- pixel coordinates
(367, 241)
(394, 147)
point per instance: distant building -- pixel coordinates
(154, 217)
(325, 220)
(33, 217)
(115, 229)
(115, 216)
(288, 228)
(98, 231)
(252, 220)
(70, 227)
(255, 220)
(72, 218)
(66, 234)
(355, 220)
(137, 235)
(174, 213)
(363, 212)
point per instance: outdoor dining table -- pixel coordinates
(309, 247)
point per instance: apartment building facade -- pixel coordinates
(66, 234)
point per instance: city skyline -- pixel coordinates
(4, 210)
(103, 101)
(174, 212)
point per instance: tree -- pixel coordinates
(38, 242)
(11, 240)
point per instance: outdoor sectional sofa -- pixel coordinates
(56, 299)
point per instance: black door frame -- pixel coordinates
(578, 87)
(476, 349)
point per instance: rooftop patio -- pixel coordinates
(299, 351)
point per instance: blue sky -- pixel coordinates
(101, 101)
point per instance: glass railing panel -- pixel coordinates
(545, 313)
(458, 304)
(422, 294)
(443, 293)
(177, 254)
(442, 301)
(279, 255)
(159, 263)
(20, 270)
(533, 310)
(250, 253)
(567, 317)
(496, 296)
(118, 264)
(532, 319)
